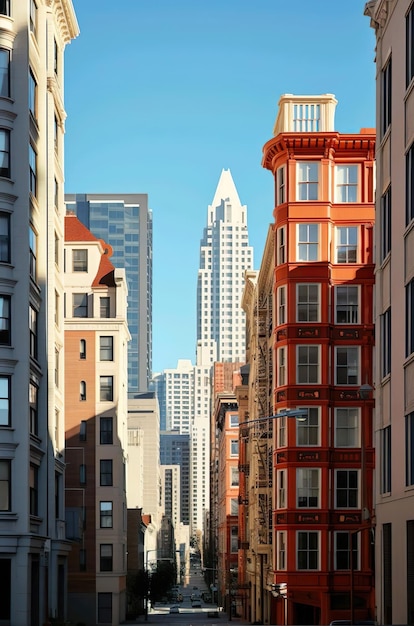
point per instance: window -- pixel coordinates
(307, 428)
(347, 304)
(80, 305)
(385, 460)
(281, 245)
(281, 305)
(234, 506)
(307, 302)
(234, 447)
(4, 238)
(33, 252)
(281, 425)
(307, 550)
(234, 543)
(346, 244)
(280, 185)
(281, 549)
(233, 420)
(32, 171)
(82, 474)
(386, 90)
(307, 365)
(409, 317)
(347, 366)
(104, 307)
(106, 476)
(57, 357)
(82, 348)
(409, 452)
(82, 560)
(33, 332)
(56, 57)
(105, 509)
(106, 348)
(80, 260)
(106, 387)
(409, 185)
(33, 17)
(106, 550)
(307, 247)
(281, 367)
(342, 550)
(306, 117)
(347, 427)
(5, 485)
(34, 425)
(234, 474)
(82, 391)
(4, 153)
(385, 223)
(281, 489)
(106, 430)
(386, 343)
(346, 177)
(346, 489)
(5, 320)
(105, 607)
(5, 7)
(5, 401)
(82, 430)
(4, 73)
(307, 488)
(34, 490)
(32, 94)
(56, 144)
(307, 173)
(409, 45)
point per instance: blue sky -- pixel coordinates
(162, 95)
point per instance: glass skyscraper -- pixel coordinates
(125, 222)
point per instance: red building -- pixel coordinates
(322, 339)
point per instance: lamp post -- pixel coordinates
(300, 414)
(364, 394)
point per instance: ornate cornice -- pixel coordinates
(66, 19)
(378, 11)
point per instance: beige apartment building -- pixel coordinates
(33, 546)
(393, 22)
(96, 382)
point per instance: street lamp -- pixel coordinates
(364, 394)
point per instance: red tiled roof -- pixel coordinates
(75, 230)
(105, 273)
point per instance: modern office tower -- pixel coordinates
(175, 450)
(175, 393)
(225, 255)
(144, 475)
(96, 345)
(170, 489)
(33, 546)
(308, 541)
(125, 222)
(394, 307)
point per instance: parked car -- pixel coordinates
(174, 609)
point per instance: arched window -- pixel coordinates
(82, 390)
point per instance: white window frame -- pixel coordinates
(308, 303)
(317, 534)
(309, 364)
(348, 366)
(234, 420)
(281, 539)
(281, 245)
(281, 429)
(352, 434)
(308, 426)
(347, 246)
(356, 489)
(308, 483)
(282, 366)
(346, 189)
(234, 443)
(306, 242)
(281, 478)
(351, 310)
(281, 185)
(281, 305)
(234, 471)
(307, 181)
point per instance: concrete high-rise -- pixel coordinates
(125, 222)
(33, 546)
(394, 308)
(225, 255)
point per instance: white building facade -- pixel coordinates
(33, 547)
